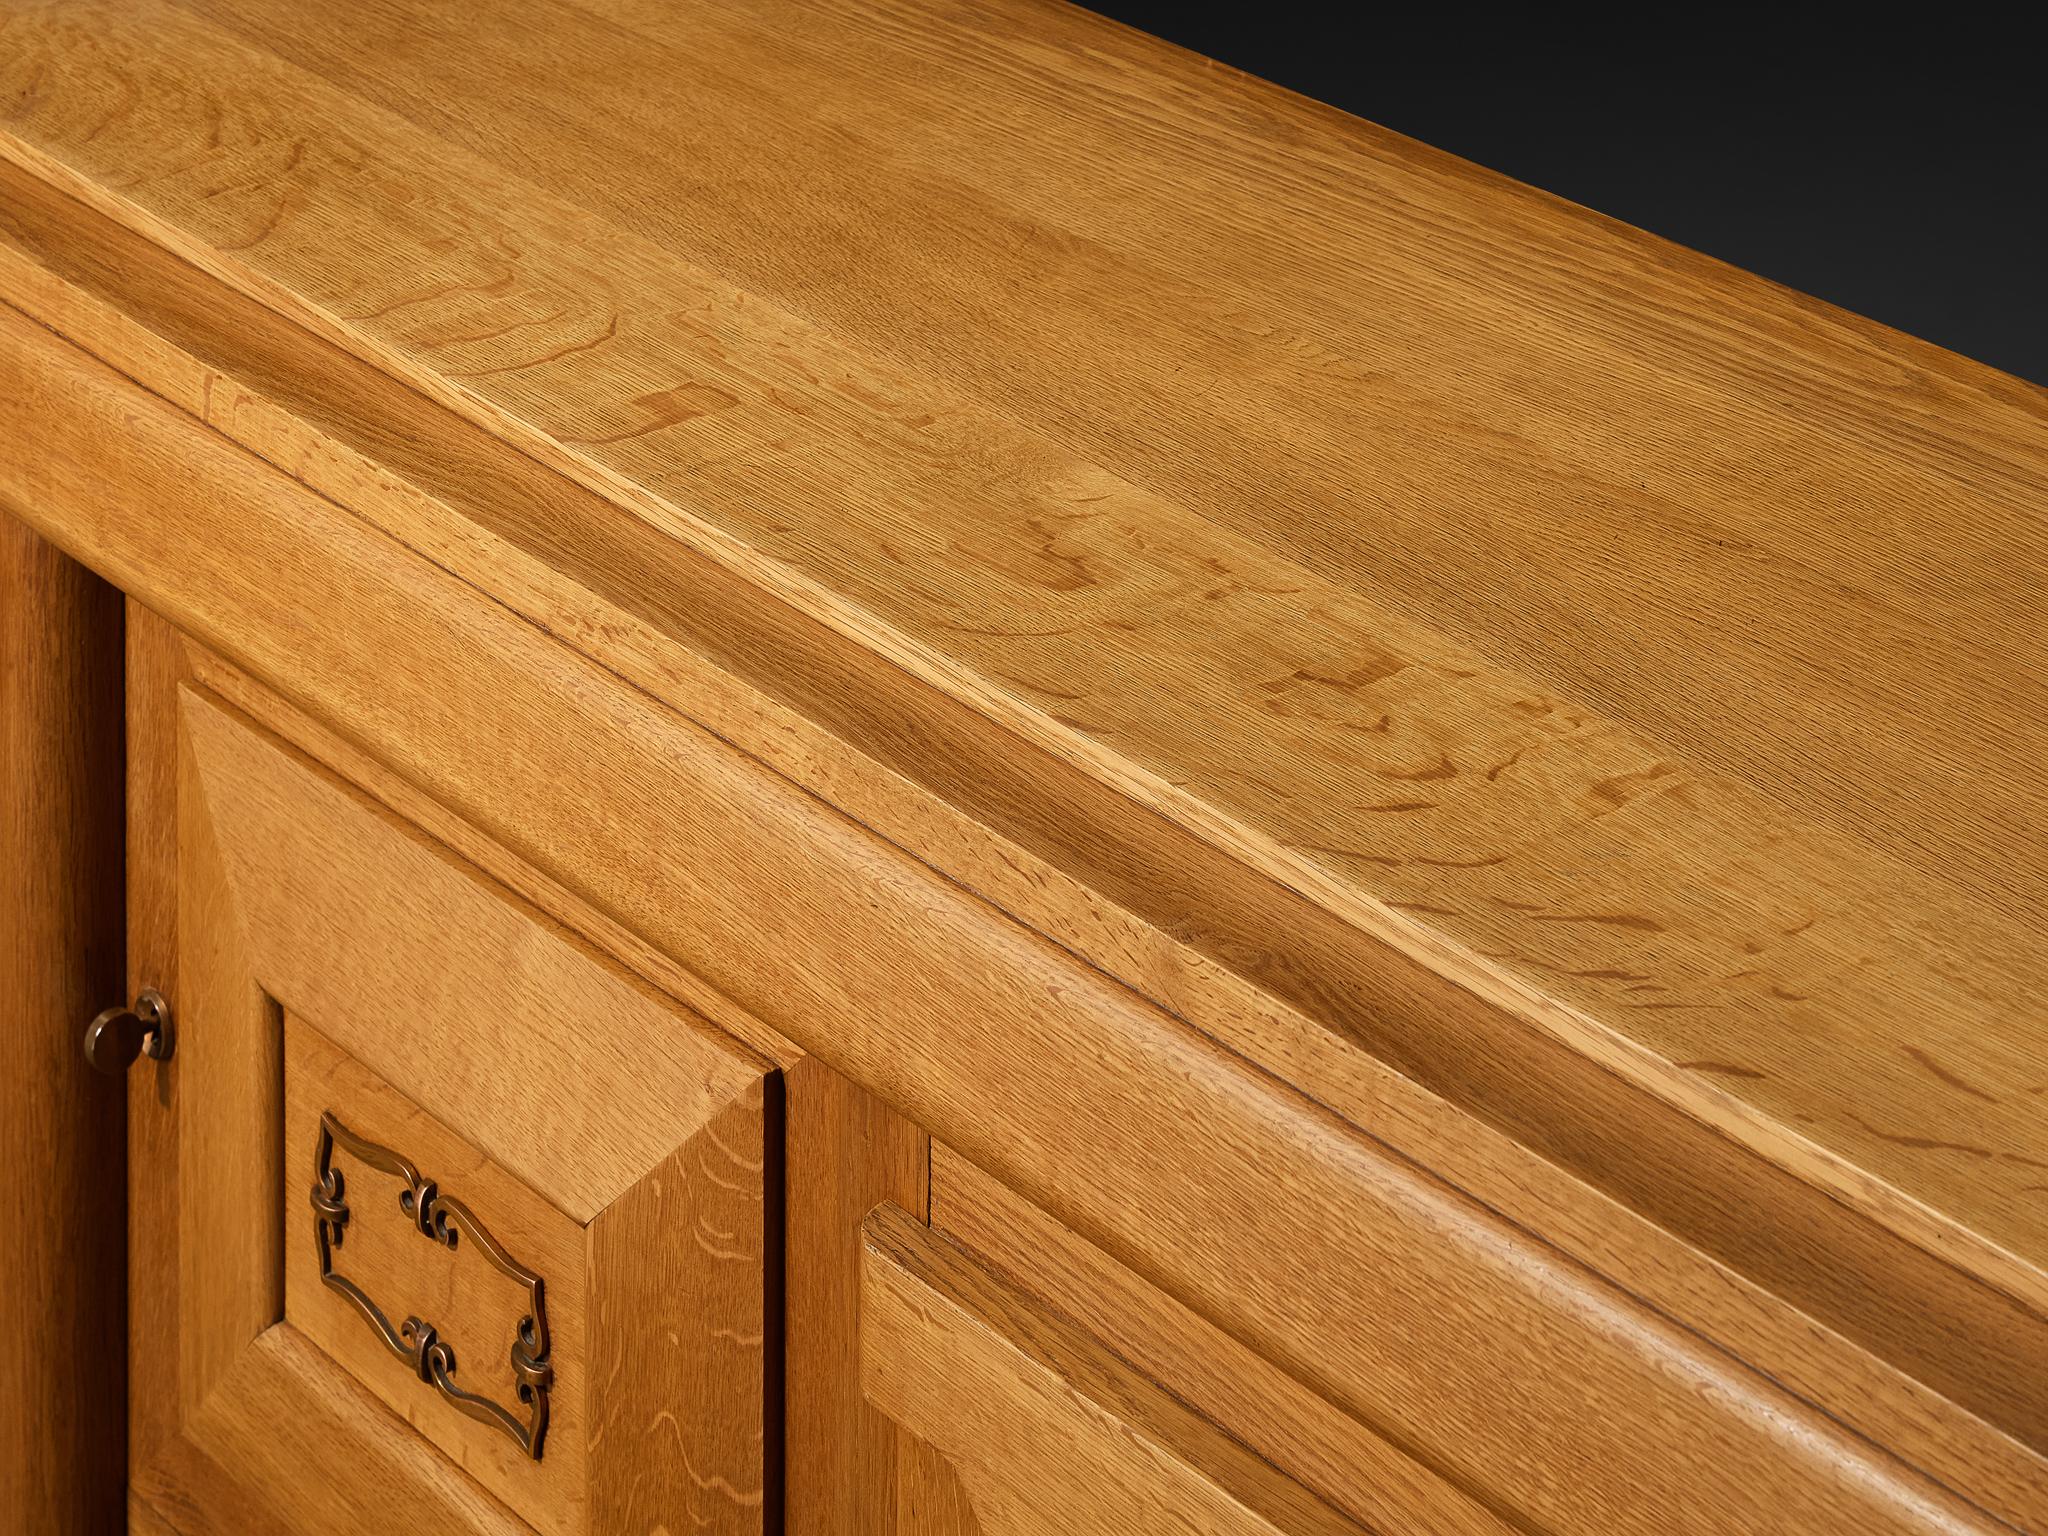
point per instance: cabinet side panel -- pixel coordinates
(62, 1445)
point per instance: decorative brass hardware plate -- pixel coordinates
(445, 1220)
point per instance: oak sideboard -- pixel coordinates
(901, 767)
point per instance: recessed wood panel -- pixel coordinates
(1046, 1430)
(337, 1016)
(579, 1076)
(1362, 1473)
(293, 1445)
(472, 1307)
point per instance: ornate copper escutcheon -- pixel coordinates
(444, 1220)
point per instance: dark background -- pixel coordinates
(1903, 175)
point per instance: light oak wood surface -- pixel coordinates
(157, 667)
(929, 1498)
(1232, 956)
(143, 1520)
(1006, 1096)
(294, 1446)
(386, 935)
(1048, 1431)
(278, 880)
(1679, 703)
(1568, 761)
(470, 1305)
(62, 1336)
(685, 1330)
(1243, 958)
(225, 1266)
(1355, 1471)
(663, 1281)
(847, 1153)
(1099, 610)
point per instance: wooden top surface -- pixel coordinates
(1658, 653)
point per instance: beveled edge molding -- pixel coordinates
(444, 1219)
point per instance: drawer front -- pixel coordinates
(1044, 1429)
(1362, 1474)
(461, 1219)
(1376, 1450)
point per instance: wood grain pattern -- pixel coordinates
(404, 800)
(847, 1153)
(228, 1083)
(682, 1352)
(143, 1519)
(929, 1498)
(156, 668)
(293, 1446)
(384, 932)
(61, 1283)
(1076, 1051)
(469, 1304)
(1654, 835)
(1048, 1431)
(1354, 1470)
(1244, 959)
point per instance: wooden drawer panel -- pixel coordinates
(1383, 1457)
(1362, 1474)
(363, 1016)
(1046, 1431)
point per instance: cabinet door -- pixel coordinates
(439, 1220)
